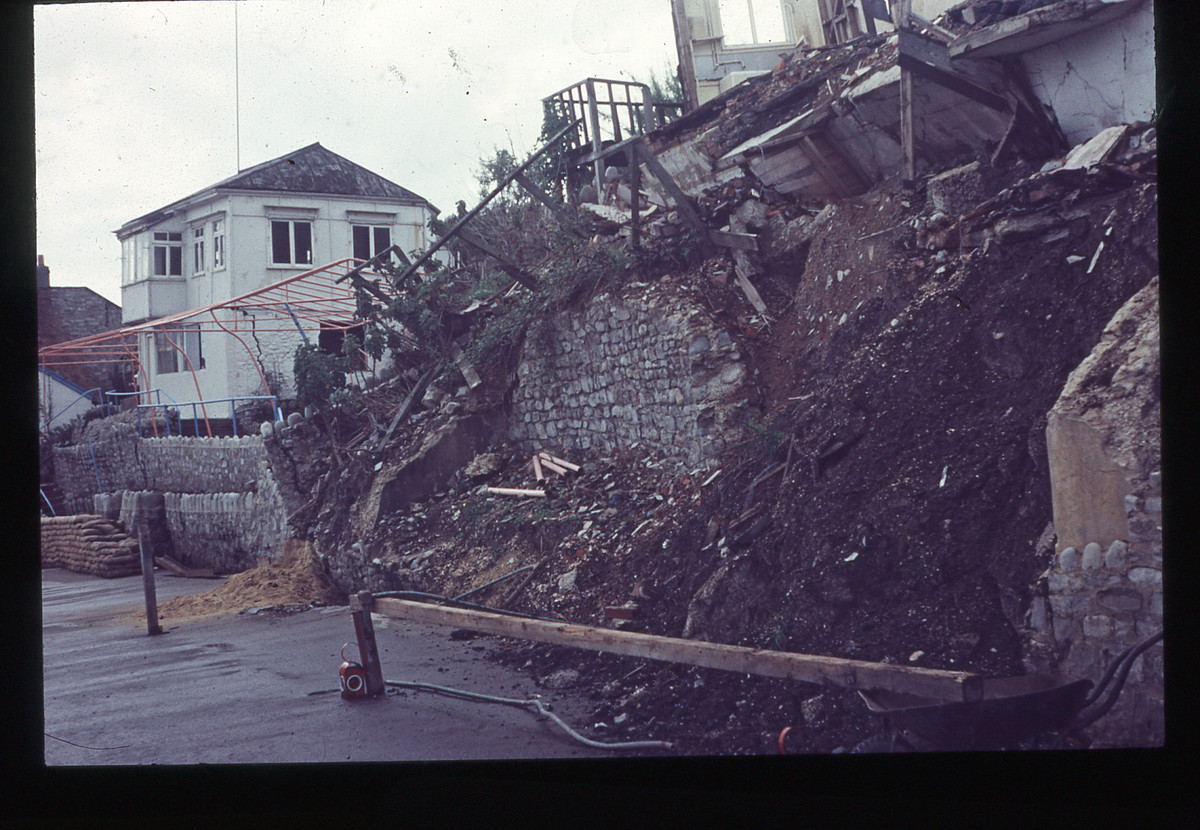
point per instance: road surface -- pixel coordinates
(239, 688)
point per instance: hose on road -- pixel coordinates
(533, 703)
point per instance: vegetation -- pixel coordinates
(318, 376)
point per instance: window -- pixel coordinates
(192, 345)
(332, 338)
(168, 254)
(746, 22)
(291, 242)
(218, 244)
(198, 266)
(370, 240)
(839, 19)
(166, 358)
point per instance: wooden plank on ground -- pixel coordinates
(560, 461)
(464, 366)
(732, 239)
(743, 268)
(807, 668)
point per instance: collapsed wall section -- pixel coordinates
(648, 366)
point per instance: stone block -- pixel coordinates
(1068, 560)
(956, 191)
(1097, 627)
(1087, 487)
(1120, 599)
(1064, 628)
(1156, 604)
(1145, 576)
(1091, 556)
(1114, 558)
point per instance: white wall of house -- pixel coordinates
(244, 220)
(58, 401)
(1098, 78)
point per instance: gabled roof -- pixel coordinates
(312, 169)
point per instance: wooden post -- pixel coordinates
(146, 548)
(635, 184)
(906, 106)
(364, 630)
(594, 118)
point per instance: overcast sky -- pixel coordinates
(135, 102)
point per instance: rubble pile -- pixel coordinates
(89, 544)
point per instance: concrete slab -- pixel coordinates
(249, 689)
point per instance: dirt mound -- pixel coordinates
(295, 578)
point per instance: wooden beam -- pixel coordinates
(511, 491)
(473, 212)
(928, 60)
(511, 268)
(827, 172)
(681, 200)
(559, 461)
(743, 269)
(733, 239)
(833, 671)
(553, 206)
(635, 186)
(906, 106)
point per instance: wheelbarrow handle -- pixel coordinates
(1120, 667)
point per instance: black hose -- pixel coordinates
(1125, 663)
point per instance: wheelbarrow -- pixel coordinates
(1012, 710)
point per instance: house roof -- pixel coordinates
(312, 169)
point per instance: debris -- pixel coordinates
(1095, 256)
(513, 491)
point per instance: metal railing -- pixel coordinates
(67, 408)
(275, 409)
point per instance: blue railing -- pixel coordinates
(67, 408)
(46, 499)
(205, 403)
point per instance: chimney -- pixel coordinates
(43, 273)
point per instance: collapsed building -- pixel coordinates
(901, 405)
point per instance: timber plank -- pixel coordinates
(808, 668)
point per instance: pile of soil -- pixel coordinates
(295, 578)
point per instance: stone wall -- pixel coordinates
(168, 465)
(1103, 590)
(648, 366)
(223, 508)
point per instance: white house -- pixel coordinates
(267, 224)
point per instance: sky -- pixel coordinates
(140, 104)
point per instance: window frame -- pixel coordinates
(373, 246)
(199, 262)
(217, 228)
(291, 223)
(172, 253)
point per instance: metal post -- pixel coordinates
(145, 547)
(196, 423)
(233, 414)
(364, 630)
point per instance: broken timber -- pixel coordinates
(744, 269)
(553, 206)
(834, 671)
(473, 212)
(511, 268)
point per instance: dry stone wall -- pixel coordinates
(221, 504)
(1104, 588)
(649, 366)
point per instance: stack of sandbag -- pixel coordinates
(89, 544)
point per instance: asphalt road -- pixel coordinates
(237, 688)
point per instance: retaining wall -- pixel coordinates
(647, 366)
(222, 507)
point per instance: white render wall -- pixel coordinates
(1098, 78)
